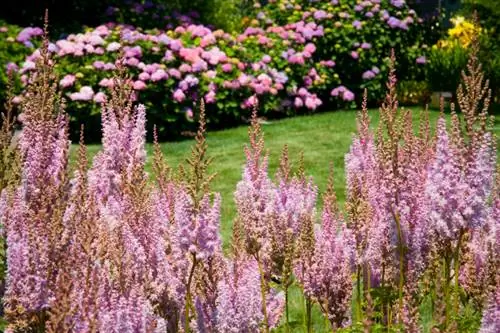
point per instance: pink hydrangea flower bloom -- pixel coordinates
(210, 97)
(113, 46)
(139, 85)
(100, 97)
(179, 96)
(85, 94)
(67, 81)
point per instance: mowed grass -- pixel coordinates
(323, 138)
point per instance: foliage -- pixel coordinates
(12, 53)
(444, 67)
(358, 36)
(414, 93)
(449, 55)
(290, 65)
(113, 248)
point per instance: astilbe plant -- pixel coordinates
(196, 241)
(267, 219)
(292, 207)
(9, 175)
(422, 202)
(459, 190)
(385, 179)
(116, 243)
(326, 276)
(33, 214)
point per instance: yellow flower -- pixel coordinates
(463, 31)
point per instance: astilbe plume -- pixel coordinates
(131, 267)
(194, 250)
(239, 308)
(361, 176)
(33, 216)
(490, 322)
(255, 198)
(130, 312)
(458, 197)
(255, 192)
(197, 243)
(9, 154)
(479, 275)
(491, 314)
(75, 298)
(294, 201)
(327, 277)
(9, 173)
(459, 190)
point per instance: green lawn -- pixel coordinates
(323, 138)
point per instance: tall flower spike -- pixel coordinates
(294, 202)
(327, 277)
(362, 118)
(197, 227)
(196, 244)
(474, 95)
(34, 222)
(198, 177)
(255, 192)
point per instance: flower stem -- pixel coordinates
(263, 289)
(308, 315)
(359, 312)
(446, 288)
(456, 273)
(188, 296)
(401, 262)
(287, 310)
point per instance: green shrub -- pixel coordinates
(445, 66)
(413, 93)
(12, 53)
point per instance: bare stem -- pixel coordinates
(188, 296)
(308, 315)
(359, 313)
(263, 289)
(287, 310)
(457, 268)
(401, 262)
(446, 290)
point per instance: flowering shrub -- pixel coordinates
(319, 55)
(357, 37)
(172, 69)
(15, 45)
(449, 55)
(149, 14)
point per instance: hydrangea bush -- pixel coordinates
(356, 37)
(295, 57)
(15, 45)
